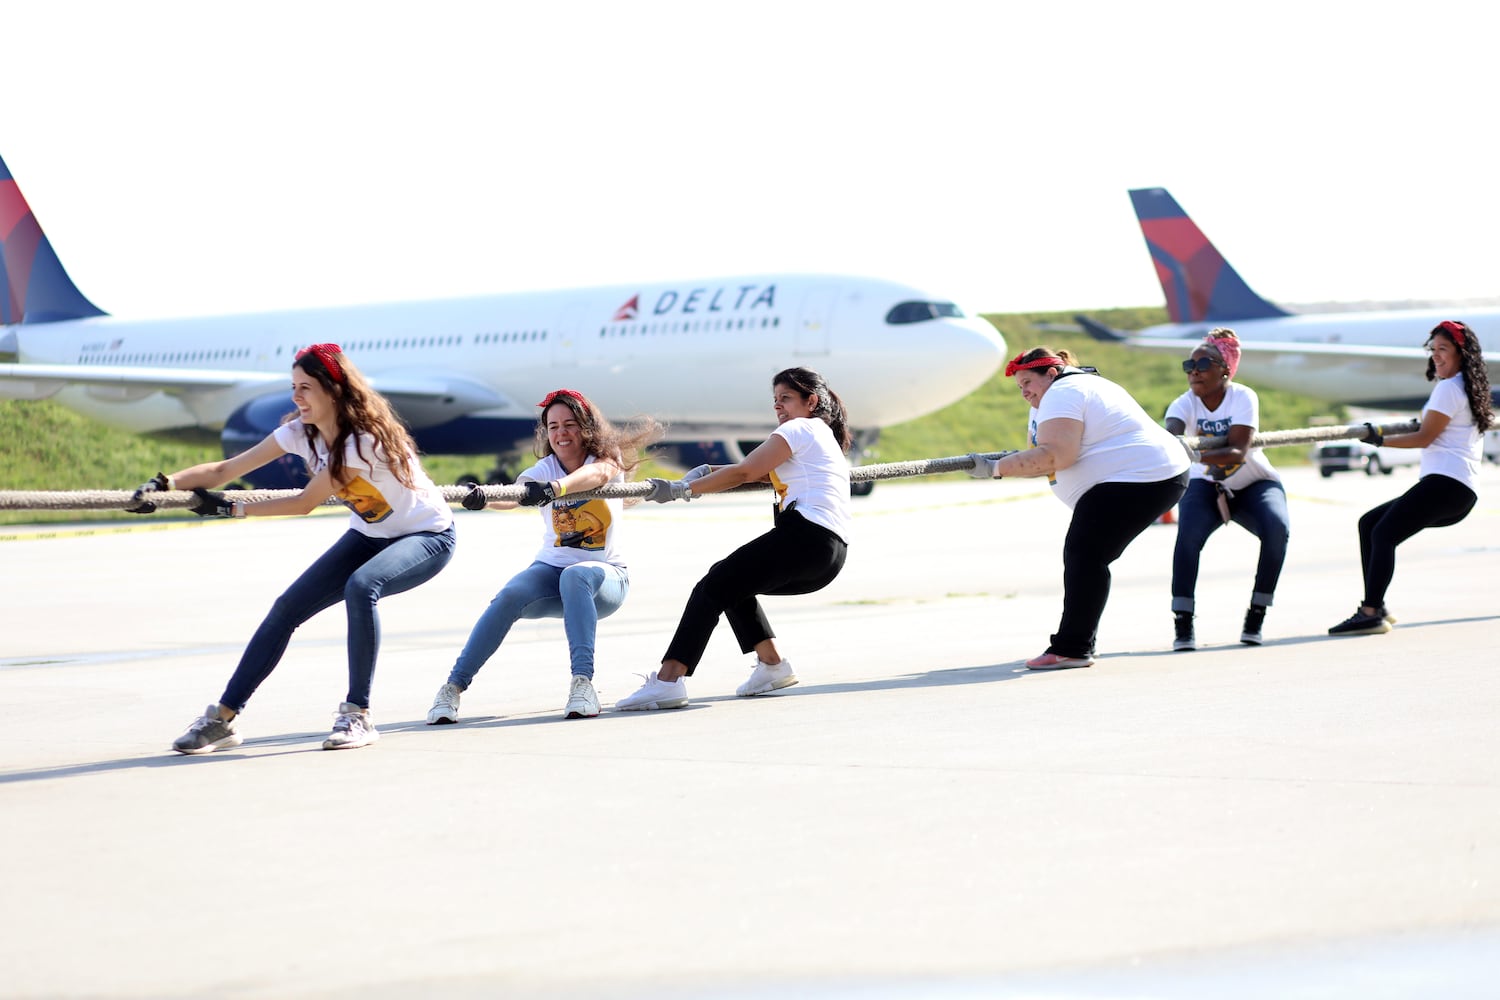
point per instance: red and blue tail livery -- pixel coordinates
(1200, 285)
(1371, 359)
(34, 288)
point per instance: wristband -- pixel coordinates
(237, 509)
(558, 489)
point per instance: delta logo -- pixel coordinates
(701, 302)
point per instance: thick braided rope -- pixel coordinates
(181, 499)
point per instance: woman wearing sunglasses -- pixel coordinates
(400, 534)
(1110, 462)
(1233, 483)
(1454, 420)
(579, 573)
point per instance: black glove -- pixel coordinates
(210, 504)
(1373, 436)
(474, 499)
(537, 493)
(138, 502)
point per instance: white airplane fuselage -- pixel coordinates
(698, 356)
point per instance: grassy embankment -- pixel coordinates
(46, 447)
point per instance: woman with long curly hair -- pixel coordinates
(400, 534)
(1457, 414)
(579, 573)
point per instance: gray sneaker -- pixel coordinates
(445, 706)
(207, 734)
(351, 728)
(583, 703)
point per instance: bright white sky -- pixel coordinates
(204, 158)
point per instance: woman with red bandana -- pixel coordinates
(579, 573)
(1233, 483)
(1457, 414)
(1110, 462)
(400, 534)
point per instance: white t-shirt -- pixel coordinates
(381, 507)
(1240, 407)
(1121, 443)
(816, 477)
(1456, 451)
(577, 530)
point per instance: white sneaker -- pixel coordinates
(351, 729)
(655, 693)
(767, 677)
(444, 709)
(583, 703)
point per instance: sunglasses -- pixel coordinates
(1201, 365)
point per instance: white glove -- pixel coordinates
(698, 472)
(984, 468)
(667, 490)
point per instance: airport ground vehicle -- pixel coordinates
(1350, 456)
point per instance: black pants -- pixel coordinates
(1105, 520)
(1435, 502)
(795, 557)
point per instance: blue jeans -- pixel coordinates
(1259, 508)
(357, 570)
(579, 594)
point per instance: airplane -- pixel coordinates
(465, 373)
(1368, 359)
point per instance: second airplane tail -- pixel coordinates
(34, 288)
(1199, 284)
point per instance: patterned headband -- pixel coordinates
(569, 393)
(1017, 365)
(1455, 330)
(328, 354)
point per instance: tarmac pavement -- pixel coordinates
(920, 816)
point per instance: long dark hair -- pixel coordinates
(360, 410)
(830, 408)
(1471, 364)
(601, 438)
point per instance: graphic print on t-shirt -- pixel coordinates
(365, 500)
(1218, 428)
(581, 524)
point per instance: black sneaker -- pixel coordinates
(207, 734)
(1360, 623)
(1184, 642)
(1254, 618)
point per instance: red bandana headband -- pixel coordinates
(328, 354)
(1455, 330)
(569, 393)
(1229, 352)
(1017, 365)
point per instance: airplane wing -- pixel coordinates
(33, 381)
(422, 398)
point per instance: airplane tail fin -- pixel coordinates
(34, 288)
(1200, 285)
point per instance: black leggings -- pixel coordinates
(1105, 520)
(795, 557)
(1435, 502)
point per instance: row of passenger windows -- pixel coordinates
(354, 346)
(509, 337)
(172, 358)
(688, 326)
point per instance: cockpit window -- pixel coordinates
(918, 312)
